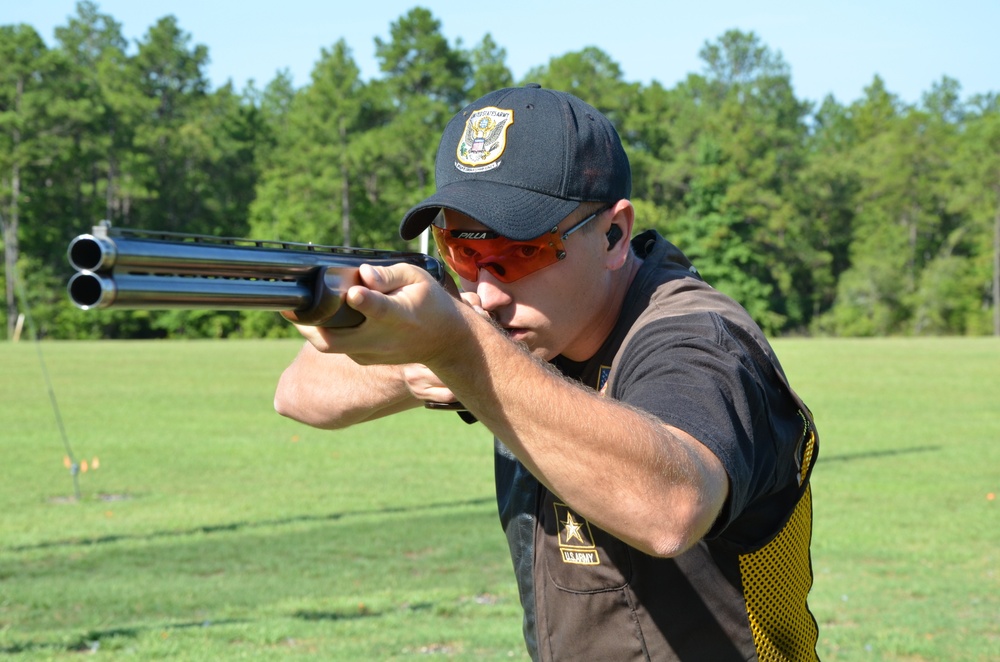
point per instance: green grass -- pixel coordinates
(906, 545)
(215, 529)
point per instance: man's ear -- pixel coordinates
(614, 236)
(620, 229)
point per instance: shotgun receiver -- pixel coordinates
(145, 269)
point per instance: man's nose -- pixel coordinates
(491, 291)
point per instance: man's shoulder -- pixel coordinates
(672, 302)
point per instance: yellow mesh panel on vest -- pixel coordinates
(807, 456)
(776, 581)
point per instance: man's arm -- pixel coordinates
(647, 483)
(651, 485)
(330, 391)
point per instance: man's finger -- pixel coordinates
(361, 299)
(393, 277)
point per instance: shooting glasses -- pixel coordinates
(468, 251)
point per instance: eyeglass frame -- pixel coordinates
(491, 235)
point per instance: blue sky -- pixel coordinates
(831, 48)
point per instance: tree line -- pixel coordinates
(875, 217)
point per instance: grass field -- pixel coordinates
(211, 528)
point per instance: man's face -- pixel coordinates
(560, 309)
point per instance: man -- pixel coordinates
(652, 463)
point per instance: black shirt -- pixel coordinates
(695, 359)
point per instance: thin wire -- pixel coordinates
(74, 467)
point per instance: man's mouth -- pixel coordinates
(514, 332)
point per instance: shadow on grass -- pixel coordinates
(246, 525)
(850, 457)
(90, 642)
(349, 615)
(336, 615)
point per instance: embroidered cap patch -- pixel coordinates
(484, 139)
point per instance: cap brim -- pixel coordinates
(515, 213)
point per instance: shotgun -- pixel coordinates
(146, 269)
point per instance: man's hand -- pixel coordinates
(424, 384)
(409, 318)
(391, 301)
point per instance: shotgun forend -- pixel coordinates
(144, 269)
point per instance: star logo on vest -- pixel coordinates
(576, 542)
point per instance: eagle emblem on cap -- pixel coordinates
(484, 138)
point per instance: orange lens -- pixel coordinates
(468, 251)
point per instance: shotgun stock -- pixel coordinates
(140, 269)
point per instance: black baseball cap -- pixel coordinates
(520, 159)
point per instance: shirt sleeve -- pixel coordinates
(708, 377)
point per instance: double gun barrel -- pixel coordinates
(140, 269)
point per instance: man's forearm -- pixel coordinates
(330, 391)
(655, 487)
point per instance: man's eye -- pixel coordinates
(467, 252)
(525, 251)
